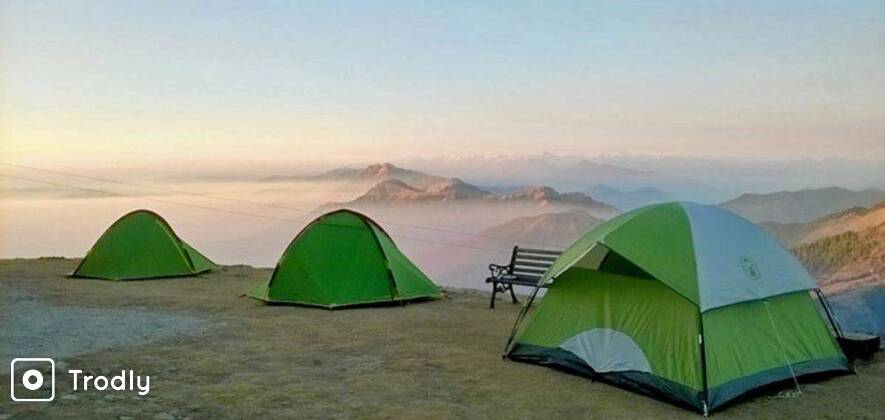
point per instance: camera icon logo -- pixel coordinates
(29, 373)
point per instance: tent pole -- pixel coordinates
(702, 344)
(531, 299)
(827, 310)
(522, 312)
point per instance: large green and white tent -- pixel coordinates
(687, 302)
(344, 258)
(141, 245)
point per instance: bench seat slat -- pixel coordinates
(533, 280)
(524, 283)
(528, 270)
(518, 279)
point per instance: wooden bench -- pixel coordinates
(527, 267)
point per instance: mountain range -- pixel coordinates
(396, 191)
(393, 185)
(371, 174)
(696, 179)
(569, 173)
(801, 206)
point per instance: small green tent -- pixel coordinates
(683, 301)
(141, 245)
(344, 258)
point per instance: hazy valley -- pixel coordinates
(454, 224)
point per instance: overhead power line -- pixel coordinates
(265, 204)
(151, 187)
(234, 212)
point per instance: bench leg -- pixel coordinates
(494, 291)
(513, 295)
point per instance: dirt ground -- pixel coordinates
(212, 353)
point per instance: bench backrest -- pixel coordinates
(530, 264)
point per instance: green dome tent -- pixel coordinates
(344, 258)
(686, 302)
(141, 245)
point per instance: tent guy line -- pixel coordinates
(262, 204)
(234, 212)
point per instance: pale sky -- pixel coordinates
(126, 81)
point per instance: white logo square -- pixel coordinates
(32, 379)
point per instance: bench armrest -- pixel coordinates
(498, 270)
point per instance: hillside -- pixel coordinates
(466, 264)
(846, 259)
(801, 206)
(558, 229)
(852, 220)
